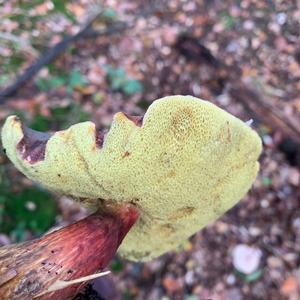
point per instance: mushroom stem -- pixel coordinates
(83, 248)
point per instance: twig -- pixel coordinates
(253, 101)
(53, 53)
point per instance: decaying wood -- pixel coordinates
(254, 102)
(83, 248)
(269, 113)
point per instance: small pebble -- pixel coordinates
(246, 259)
(281, 18)
(230, 279)
(274, 262)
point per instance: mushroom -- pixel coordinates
(181, 166)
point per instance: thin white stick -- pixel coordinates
(61, 284)
(249, 122)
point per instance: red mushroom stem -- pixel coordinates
(83, 248)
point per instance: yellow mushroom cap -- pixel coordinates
(184, 165)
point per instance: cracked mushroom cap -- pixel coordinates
(183, 164)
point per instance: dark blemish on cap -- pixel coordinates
(137, 120)
(32, 146)
(99, 137)
(70, 271)
(125, 154)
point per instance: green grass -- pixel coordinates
(30, 209)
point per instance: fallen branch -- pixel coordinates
(86, 32)
(53, 53)
(255, 103)
(269, 113)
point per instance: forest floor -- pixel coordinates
(126, 71)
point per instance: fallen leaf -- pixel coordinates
(171, 285)
(289, 286)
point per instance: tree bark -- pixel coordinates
(83, 248)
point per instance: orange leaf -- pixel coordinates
(289, 286)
